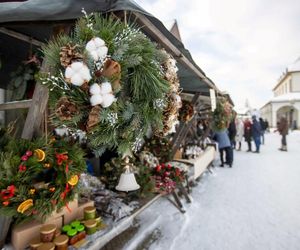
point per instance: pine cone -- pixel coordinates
(94, 117)
(68, 54)
(65, 109)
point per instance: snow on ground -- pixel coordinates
(254, 205)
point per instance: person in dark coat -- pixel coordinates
(232, 132)
(256, 133)
(248, 133)
(263, 129)
(283, 129)
(266, 125)
(224, 146)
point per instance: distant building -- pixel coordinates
(286, 100)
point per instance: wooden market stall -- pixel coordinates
(29, 26)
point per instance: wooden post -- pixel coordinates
(36, 110)
(40, 98)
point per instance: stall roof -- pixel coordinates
(36, 17)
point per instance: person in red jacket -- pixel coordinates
(248, 133)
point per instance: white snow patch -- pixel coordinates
(253, 206)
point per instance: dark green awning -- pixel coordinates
(37, 17)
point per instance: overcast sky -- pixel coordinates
(242, 45)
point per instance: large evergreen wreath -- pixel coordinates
(109, 80)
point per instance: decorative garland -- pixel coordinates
(109, 80)
(37, 178)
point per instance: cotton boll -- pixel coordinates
(95, 89)
(97, 49)
(94, 55)
(77, 80)
(85, 73)
(102, 52)
(96, 100)
(77, 73)
(106, 88)
(76, 66)
(91, 45)
(108, 100)
(98, 42)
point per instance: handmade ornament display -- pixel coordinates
(112, 81)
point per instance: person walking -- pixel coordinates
(256, 133)
(248, 133)
(222, 138)
(283, 129)
(239, 133)
(267, 126)
(232, 132)
(263, 129)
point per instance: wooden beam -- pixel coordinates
(36, 110)
(21, 36)
(160, 37)
(24, 104)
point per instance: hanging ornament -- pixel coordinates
(77, 73)
(127, 180)
(97, 49)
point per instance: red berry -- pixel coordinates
(28, 153)
(24, 158)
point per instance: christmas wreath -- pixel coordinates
(37, 177)
(221, 115)
(111, 81)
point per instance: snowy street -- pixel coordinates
(254, 205)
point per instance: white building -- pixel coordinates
(286, 100)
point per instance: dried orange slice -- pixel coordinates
(40, 154)
(25, 205)
(73, 180)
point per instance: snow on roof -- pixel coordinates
(295, 66)
(289, 97)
